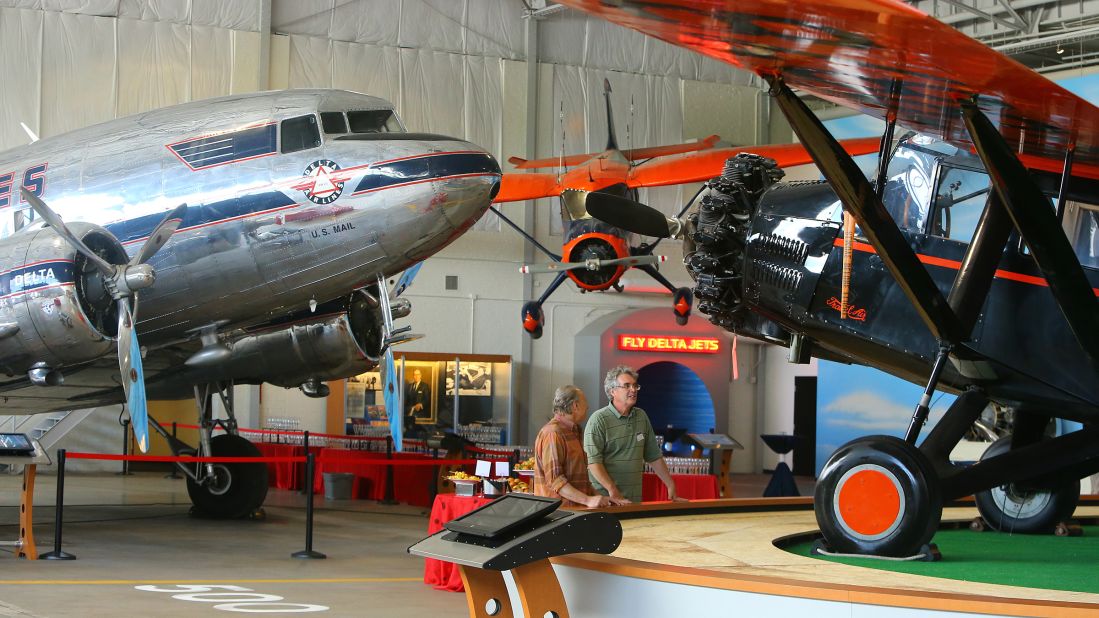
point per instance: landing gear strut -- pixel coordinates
(221, 490)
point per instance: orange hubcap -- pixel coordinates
(869, 502)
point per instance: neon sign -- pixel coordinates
(665, 343)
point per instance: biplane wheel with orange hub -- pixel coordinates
(533, 319)
(878, 495)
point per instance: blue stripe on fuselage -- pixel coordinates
(34, 276)
(423, 168)
(204, 214)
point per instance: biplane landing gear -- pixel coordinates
(533, 319)
(1013, 508)
(682, 300)
(878, 495)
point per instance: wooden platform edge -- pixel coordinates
(865, 595)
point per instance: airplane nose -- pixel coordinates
(468, 182)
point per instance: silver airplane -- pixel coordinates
(298, 205)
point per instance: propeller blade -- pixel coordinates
(161, 233)
(630, 215)
(133, 376)
(392, 398)
(406, 279)
(593, 264)
(54, 221)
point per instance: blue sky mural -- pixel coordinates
(854, 401)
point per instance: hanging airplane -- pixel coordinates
(299, 205)
(973, 268)
(596, 255)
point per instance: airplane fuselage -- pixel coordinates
(285, 207)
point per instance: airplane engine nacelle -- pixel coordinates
(54, 309)
(597, 246)
(340, 339)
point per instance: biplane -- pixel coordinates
(968, 263)
(595, 254)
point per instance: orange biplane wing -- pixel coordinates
(639, 154)
(873, 56)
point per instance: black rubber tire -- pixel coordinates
(1035, 512)
(921, 510)
(247, 482)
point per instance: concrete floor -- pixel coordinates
(129, 532)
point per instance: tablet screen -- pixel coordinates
(503, 514)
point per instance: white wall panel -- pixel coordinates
(495, 28)
(21, 4)
(235, 15)
(432, 91)
(20, 64)
(153, 65)
(247, 61)
(483, 107)
(366, 21)
(561, 39)
(369, 69)
(433, 24)
(176, 11)
(609, 46)
(310, 62)
(103, 8)
(211, 75)
(305, 17)
(78, 71)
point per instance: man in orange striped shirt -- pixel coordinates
(560, 465)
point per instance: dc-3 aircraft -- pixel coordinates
(596, 254)
(298, 205)
(973, 267)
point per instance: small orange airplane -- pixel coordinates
(596, 254)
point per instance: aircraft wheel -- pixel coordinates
(533, 319)
(1009, 508)
(238, 488)
(878, 495)
(681, 305)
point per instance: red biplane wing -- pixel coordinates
(868, 54)
(638, 154)
(569, 161)
(704, 165)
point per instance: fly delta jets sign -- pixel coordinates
(666, 343)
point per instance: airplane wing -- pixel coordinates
(868, 55)
(706, 164)
(638, 154)
(519, 187)
(569, 161)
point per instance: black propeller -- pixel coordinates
(631, 216)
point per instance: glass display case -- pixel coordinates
(470, 395)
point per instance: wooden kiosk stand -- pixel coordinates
(16, 449)
(518, 533)
(721, 447)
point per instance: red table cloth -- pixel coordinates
(411, 484)
(690, 486)
(285, 474)
(437, 573)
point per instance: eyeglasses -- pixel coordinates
(629, 387)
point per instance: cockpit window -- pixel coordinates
(374, 121)
(333, 122)
(959, 201)
(1085, 236)
(300, 133)
(908, 187)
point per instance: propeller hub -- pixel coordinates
(137, 277)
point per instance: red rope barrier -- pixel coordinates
(285, 459)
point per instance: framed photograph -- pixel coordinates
(419, 391)
(474, 378)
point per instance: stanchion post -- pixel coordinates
(125, 446)
(175, 468)
(305, 445)
(308, 551)
(59, 509)
(388, 498)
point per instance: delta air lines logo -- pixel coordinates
(322, 185)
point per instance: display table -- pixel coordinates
(689, 486)
(445, 575)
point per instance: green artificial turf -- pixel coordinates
(1034, 561)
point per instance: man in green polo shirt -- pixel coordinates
(619, 441)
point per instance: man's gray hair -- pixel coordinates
(564, 397)
(611, 380)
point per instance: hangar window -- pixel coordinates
(959, 201)
(333, 122)
(374, 121)
(300, 133)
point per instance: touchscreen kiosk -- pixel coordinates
(503, 514)
(15, 445)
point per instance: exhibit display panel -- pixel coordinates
(469, 394)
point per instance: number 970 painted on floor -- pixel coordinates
(234, 599)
